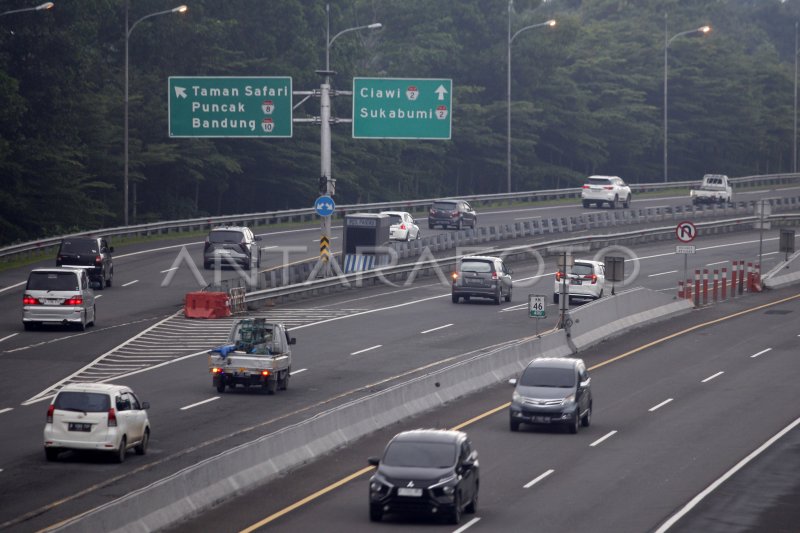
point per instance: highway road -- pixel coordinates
(348, 343)
(673, 414)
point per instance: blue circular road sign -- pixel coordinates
(324, 206)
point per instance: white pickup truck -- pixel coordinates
(715, 189)
(257, 354)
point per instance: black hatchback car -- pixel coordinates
(482, 276)
(428, 471)
(552, 390)
(452, 213)
(92, 254)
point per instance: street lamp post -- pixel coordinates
(794, 144)
(508, 86)
(667, 42)
(40, 7)
(128, 30)
(325, 118)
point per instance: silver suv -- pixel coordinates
(232, 245)
(58, 296)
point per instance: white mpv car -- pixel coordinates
(586, 279)
(606, 189)
(96, 416)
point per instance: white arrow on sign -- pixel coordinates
(441, 91)
(180, 92)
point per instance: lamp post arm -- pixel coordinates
(165, 12)
(548, 23)
(46, 5)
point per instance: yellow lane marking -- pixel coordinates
(494, 410)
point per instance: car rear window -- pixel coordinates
(395, 219)
(476, 266)
(445, 206)
(89, 402)
(598, 181)
(53, 281)
(548, 377)
(222, 237)
(420, 454)
(79, 246)
(582, 270)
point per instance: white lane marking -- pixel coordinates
(709, 378)
(533, 482)
(771, 253)
(717, 263)
(662, 404)
(467, 525)
(601, 439)
(711, 488)
(657, 206)
(130, 283)
(268, 247)
(514, 308)
(8, 336)
(7, 409)
(96, 296)
(365, 349)
(199, 403)
(169, 270)
(662, 273)
(528, 218)
(297, 371)
(752, 356)
(21, 283)
(426, 331)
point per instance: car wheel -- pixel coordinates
(221, 385)
(101, 283)
(419, 235)
(284, 383)
(498, 296)
(613, 203)
(587, 203)
(472, 508)
(375, 513)
(141, 448)
(271, 385)
(586, 421)
(600, 295)
(513, 425)
(576, 423)
(508, 296)
(82, 323)
(51, 454)
(455, 298)
(455, 516)
(474, 222)
(94, 316)
(110, 280)
(119, 454)
(627, 203)
(555, 298)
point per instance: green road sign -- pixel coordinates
(537, 306)
(230, 106)
(402, 108)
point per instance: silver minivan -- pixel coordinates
(58, 296)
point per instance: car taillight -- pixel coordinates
(494, 275)
(454, 275)
(216, 370)
(98, 260)
(30, 300)
(609, 187)
(593, 277)
(112, 418)
(586, 187)
(454, 213)
(265, 373)
(402, 226)
(75, 300)
(50, 411)
(559, 275)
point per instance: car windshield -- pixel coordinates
(476, 266)
(548, 377)
(395, 219)
(53, 281)
(79, 246)
(598, 181)
(420, 454)
(223, 237)
(445, 206)
(89, 402)
(582, 270)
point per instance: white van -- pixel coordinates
(58, 296)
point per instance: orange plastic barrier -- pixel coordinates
(206, 305)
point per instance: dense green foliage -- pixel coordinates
(587, 98)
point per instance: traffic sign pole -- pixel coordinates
(325, 166)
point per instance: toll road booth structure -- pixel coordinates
(366, 238)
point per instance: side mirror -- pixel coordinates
(373, 461)
(145, 405)
(111, 249)
(292, 340)
(585, 384)
(512, 381)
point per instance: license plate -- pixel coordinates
(541, 419)
(51, 301)
(474, 282)
(78, 426)
(405, 491)
(575, 282)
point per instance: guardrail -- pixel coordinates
(510, 253)
(308, 214)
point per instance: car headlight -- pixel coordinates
(378, 484)
(517, 397)
(448, 489)
(568, 400)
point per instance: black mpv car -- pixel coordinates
(452, 213)
(428, 471)
(92, 254)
